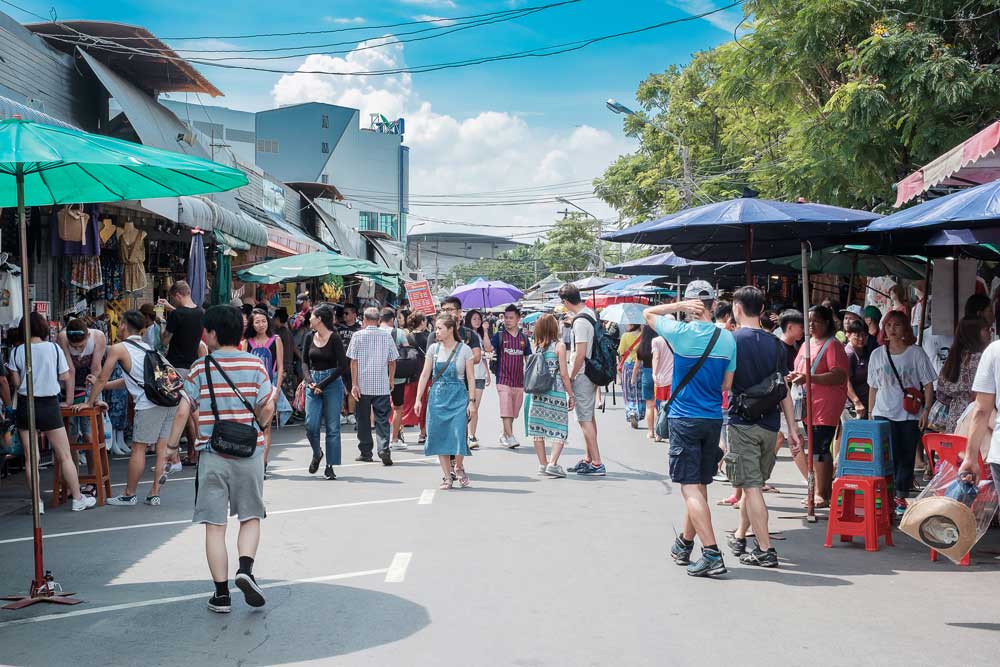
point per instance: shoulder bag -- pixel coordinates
(913, 398)
(229, 437)
(763, 397)
(799, 391)
(662, 419)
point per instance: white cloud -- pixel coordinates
(728, 20)
(343, 20)
(490, 151)
(450, 4)
(439, 20)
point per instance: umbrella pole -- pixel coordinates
(811, 477)
(923, 307)
(850, 285)
(40, 590)
(749, 255)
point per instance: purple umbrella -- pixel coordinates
(486, 294)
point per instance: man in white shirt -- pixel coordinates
(584, 391)
(985, 385)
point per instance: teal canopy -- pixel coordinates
(855, 261)
(317, 265)
(64, 166)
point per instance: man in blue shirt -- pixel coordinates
(695, 416)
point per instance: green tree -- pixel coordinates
(831, 100)
(571, 246)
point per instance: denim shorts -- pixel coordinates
(644, 385)
(694, 449)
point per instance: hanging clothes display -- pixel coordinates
(75, 224)
(133, 255)
(11, 305)
(85, 273)
(196, 266)
(223, 284)
(112, 269)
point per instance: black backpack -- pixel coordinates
(411, 359)
(756, 401)
(160, 380)
(602, 365)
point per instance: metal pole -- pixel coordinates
(811, 477)
(685, 170)
(749, 254)
(850, 285)
(923, 307)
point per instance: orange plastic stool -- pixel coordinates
(874, 522)
(98, 469)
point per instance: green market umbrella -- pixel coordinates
(317, 265)
(856, 261)
(42, 165)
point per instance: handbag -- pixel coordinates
(230, 438)
(937, 417)
(299, 399)
(73, 224)
(754, 402)
(662, 420)
(799, 391)
(537, 377)
(913, 398)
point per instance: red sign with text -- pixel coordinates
(419, 295)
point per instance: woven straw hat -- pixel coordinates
(941, 523)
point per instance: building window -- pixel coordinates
(325, 147)
(326, 121)
(387, 223)
(324, 179)
(267, 145)
(242, 136)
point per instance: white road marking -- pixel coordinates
(427, 497)
(397, 569)
(182, 598)
(188, 521)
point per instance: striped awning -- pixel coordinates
(206, 214)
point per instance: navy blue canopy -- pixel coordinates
(663, 264)
(974, 207)
(744, 227)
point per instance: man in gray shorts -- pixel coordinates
(227, 485)
(152, 422)
(584, 391)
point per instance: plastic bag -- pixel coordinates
(952, 513)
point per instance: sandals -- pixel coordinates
(445, 484)
(732, 501)
(463, 478)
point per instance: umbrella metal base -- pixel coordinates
(39, 593)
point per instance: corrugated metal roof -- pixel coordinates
(206, 214)
(9, 108)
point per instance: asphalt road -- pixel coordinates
(375, 569)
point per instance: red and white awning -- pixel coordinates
(972, 162)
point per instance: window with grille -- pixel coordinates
(325, 147)
(326, 121)
(267, 145)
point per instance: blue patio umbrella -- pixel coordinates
(662, 264)
(635, 285)
(196, 267)
(965, 209)
(531, 318)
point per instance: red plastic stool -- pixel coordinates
(873, 523)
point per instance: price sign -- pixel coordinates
(418, 293)
(42, 308)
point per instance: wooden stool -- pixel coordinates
(98, 469)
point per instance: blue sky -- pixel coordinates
(545, 117)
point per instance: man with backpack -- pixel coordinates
(155, 388)
(593, 365)
(512, 349)
(759, 397)
(704, 362)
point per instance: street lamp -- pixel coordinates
(600, 244)
(617, 107)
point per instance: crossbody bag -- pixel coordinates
(913, 398)
(662, 423)
(229, 437)
(799, 391)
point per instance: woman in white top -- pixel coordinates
(897, 366)
(49, 368)
(474, 321)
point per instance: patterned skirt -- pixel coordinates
(547, 415)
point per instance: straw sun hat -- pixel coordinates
(941, 523)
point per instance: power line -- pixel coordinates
(538, 52)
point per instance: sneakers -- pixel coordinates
(900, 507)
(252, 593)
(504, 442)
(579, 465)
(681, 551)
(122, 501)
(174, 467)
(153, 501)
(220, 604)
(633, 421)
(512, 440)
(385, 456)
(365, 459)
(709, 565)
(352, 420)
(555, 470)
(473, 442)
(760, 558)
(591, 469)
(314, 464)
(398, 446)
(328, 473)
(84, 503)
(345, 420)
(541, 469)
(738, 545)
